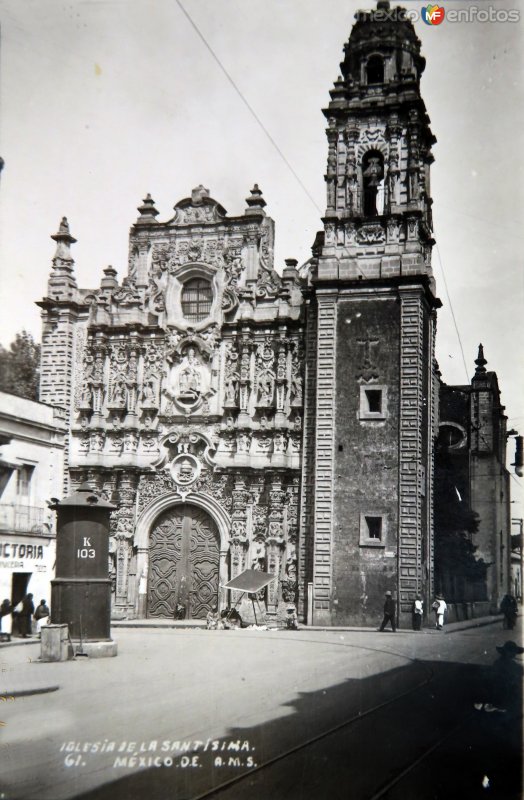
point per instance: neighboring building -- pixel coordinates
(32, 440)
(517, 559)
(244, 419)
(473, 482)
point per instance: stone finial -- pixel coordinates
(480, 361)
(290, 270)
(63, 258)
(109, 280)
(62, 282)
(198, 194)
(147, 210)
(255, 202)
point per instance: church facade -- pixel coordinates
(247, 418)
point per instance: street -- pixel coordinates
(309, 714)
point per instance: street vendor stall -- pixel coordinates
(249, 582)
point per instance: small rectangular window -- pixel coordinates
(373, 530)
(373, 402)
(24, 476)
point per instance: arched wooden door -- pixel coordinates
(184, 552)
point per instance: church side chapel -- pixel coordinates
(247, 418)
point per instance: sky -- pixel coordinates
(105, 100)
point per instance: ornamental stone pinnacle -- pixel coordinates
(147, 211)
(255, 202)
(480, 361)
(64, 240)
(62, 282)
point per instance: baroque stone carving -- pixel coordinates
(370, 234)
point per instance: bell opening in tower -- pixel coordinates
(375, 70)
(373, 181)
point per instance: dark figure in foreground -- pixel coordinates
(6, 620)
(25, 615)
(497, 735)
(389, 613)
(509, 608)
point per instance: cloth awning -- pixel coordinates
(251, 580)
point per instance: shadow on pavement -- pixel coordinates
(424, 722)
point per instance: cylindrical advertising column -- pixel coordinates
(81, 590)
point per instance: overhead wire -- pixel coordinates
(293, 171)
(452, 311)
(247, 104)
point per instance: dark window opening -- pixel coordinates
(375, 70)
(374, 526)
(374, 399)
(197, 297)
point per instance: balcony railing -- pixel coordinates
(22, 519)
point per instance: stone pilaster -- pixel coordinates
(410, 444)
(324, 457)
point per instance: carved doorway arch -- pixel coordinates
(184, 556)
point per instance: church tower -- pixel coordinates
(371, 397)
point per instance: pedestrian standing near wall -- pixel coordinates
(509, 608)
(389, 613)
(25, 616)
(439, 606)
(41, 616)
(418, 609)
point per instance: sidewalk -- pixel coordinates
(198, 623)
(152, 623)
(17, 679)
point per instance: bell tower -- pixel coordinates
(372, 396)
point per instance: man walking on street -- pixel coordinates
(389, 613)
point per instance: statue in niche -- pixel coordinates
(189, 380)
(295, 391)
(373, 175)
(118, 394)
(289, 584)
(231, 390)
(265, 389)
(86, 397)
(190, 377)
(149, 393)
(258, 560)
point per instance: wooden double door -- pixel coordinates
(184, 555)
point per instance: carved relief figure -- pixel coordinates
(266, 386)
(149, 393)
(189, 380)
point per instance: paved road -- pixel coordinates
(296, 715)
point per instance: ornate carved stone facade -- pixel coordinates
(243, 418)
(185, 382)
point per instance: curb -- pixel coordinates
(6, 694)
(19, 642)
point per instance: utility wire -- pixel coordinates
(290, 167)
(452, 312)
(247, 104)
